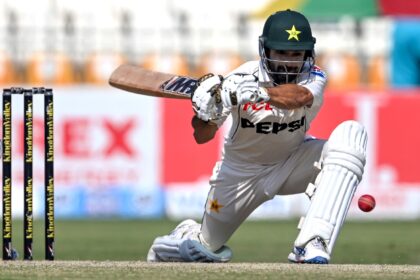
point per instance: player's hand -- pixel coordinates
(205, 100)
(238, 89)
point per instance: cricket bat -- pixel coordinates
(146, 82)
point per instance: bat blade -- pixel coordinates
(146, 82)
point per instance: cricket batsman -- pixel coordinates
(267, 152)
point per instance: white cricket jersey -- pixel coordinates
(262, 134)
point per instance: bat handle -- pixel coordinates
(231, 100)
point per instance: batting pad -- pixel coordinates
(194, 251)
(342, 163)
(167, 248)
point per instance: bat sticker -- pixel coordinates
(182, 86)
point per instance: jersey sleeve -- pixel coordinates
(316, 85)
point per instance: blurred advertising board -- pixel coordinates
(119, 154)
(106, 154)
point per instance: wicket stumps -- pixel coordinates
(8, 252)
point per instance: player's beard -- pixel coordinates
(284, 74)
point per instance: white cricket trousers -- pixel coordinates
(235, 194)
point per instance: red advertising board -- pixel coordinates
(391, 171)
(391, 121)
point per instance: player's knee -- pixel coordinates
(214, 233)
(346, 147)
(211, 245)
(212, 242)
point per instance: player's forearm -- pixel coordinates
(203, 131)
(290, 96)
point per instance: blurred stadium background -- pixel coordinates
(120, 155)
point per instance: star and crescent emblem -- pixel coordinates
(293, 33)
(215, 206)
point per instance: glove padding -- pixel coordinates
(205, 100)
(239, 89)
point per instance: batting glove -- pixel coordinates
(206, 99)
(239, 89)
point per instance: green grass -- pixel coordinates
(116, 249)
(248, 271)
(265, 241)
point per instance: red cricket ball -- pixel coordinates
(366, 203)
